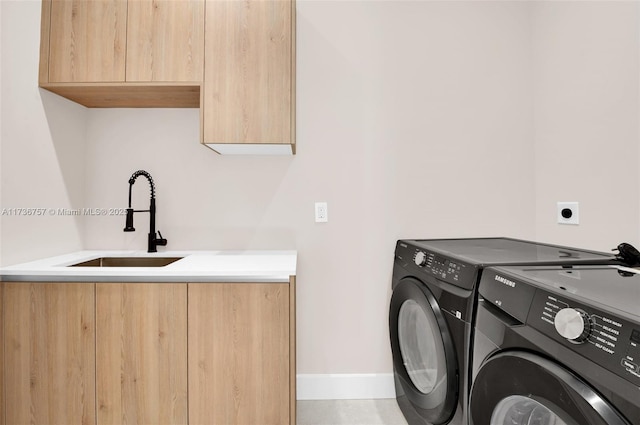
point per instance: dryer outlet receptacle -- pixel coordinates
(568, 213)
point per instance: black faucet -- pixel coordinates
(153, 241)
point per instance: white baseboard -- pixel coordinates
(345, 386)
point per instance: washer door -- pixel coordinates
(520, 388)
(423, 353)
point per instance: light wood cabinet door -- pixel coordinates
(165, 40)
(239, 345)
(87, 40)
(141, 353)
(49, 358)
(249, 72)
(1, 356)
(123, 53)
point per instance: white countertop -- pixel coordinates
(196, 266)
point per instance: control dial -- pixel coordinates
(572, 324)
(420, 258)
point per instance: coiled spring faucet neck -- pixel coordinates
(133, 178)
(153, 240)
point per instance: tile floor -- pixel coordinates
(350, 412)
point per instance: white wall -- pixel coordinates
(42, 147)
(586, 101)
(414, 120)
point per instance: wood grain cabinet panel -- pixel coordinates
(141, 350)
(87, 40)
(49, 358)
(123, 53)
(239, 354)
(249, 72)
(1, 356)
(165, 40)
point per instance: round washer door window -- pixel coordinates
(424, 356)
(521, 410)
(422, 352)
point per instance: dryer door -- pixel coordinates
(423, 353)
(521, 388)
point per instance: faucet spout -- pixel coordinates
(153, 241)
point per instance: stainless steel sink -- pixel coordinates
(128, 262)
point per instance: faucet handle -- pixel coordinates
(161, 241)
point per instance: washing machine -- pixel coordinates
(557, 346)
(432, 310)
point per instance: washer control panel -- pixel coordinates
(608, 340)
(439, 266)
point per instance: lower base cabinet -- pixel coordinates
(142, 353)
(49, 356)
(1, 356)
(239, 354)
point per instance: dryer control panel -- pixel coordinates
(608, 340)
(436, 265)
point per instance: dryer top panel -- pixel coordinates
(506, 251)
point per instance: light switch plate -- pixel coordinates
(322, 212)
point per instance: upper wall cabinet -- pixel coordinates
(119, 53)
(249, 83)
(233, 59)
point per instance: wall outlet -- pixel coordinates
(322, 213)
(568, 213)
